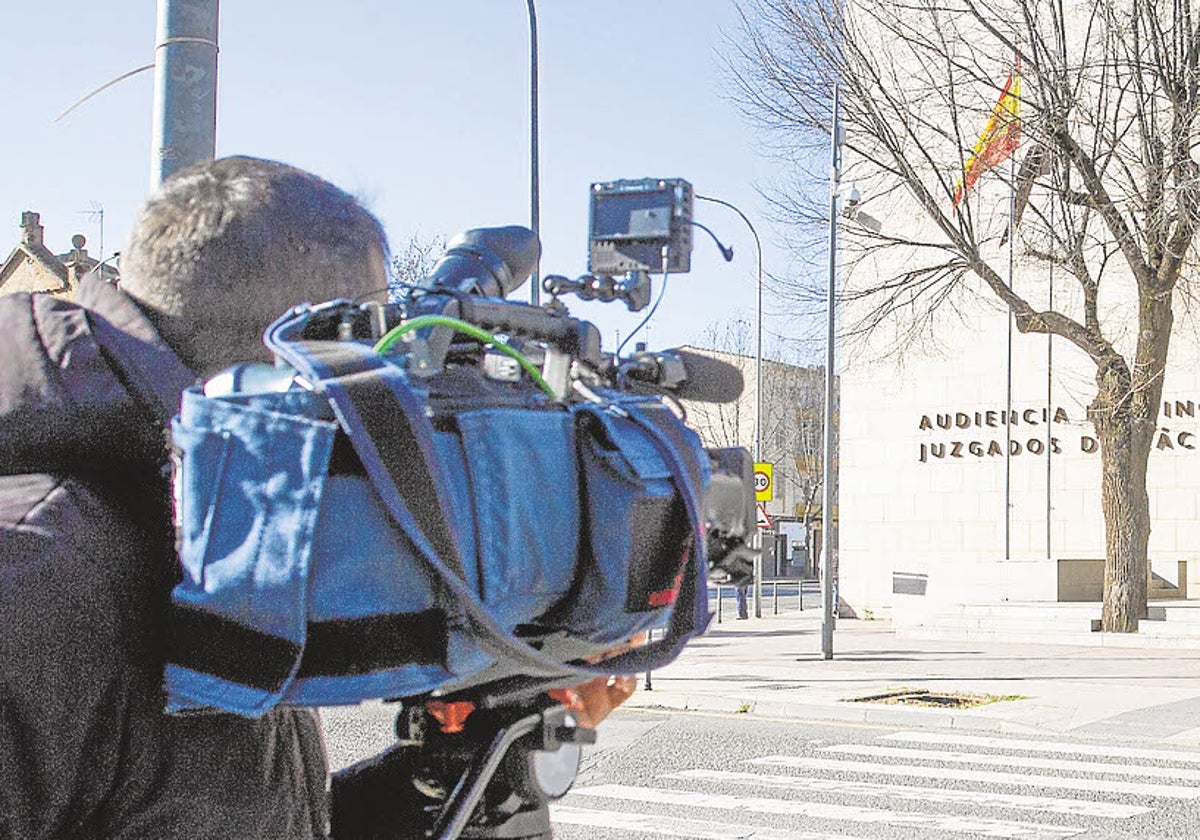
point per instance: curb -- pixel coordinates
(843, 712)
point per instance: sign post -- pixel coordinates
(764, 491)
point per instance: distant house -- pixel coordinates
(792, 438)
(32, 267)
(792, 423)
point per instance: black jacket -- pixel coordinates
(86, 566)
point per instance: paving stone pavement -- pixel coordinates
(773, 666)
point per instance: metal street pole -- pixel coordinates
(828, 607)
(534, 187)
(758, 390)
(185, 87)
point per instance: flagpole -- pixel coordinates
(1012, 209)
(1011, 87)
(1049, 398)
(998, 141)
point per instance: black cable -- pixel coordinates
(649, 314)
(727, 253)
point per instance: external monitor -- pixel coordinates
(632, 221)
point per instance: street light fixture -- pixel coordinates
(852, 199)
(758, 385)
(827, 478)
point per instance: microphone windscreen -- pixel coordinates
(709, 379)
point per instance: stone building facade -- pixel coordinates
(953, 493)
(970, 471)
(32, 267)
(792, 441)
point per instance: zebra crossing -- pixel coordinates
(898, 785)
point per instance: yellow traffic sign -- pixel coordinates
(764, 482)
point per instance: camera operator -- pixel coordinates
(86, 544)
(87, 556)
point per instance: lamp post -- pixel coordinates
(534, 187)
(758, 387)
(185, 86)
(827, 478)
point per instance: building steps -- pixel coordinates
(1159, 588)
(1173, 623)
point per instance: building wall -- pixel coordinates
(942, 516)
(919, 499)
(32, 267)
(30, 275)
(791, 422)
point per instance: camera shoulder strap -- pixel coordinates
(395, 446)
(397, 451)
(691, 616)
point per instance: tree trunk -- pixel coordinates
(1125, 441)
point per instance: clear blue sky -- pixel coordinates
(418, 108)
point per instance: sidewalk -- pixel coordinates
(773, 667)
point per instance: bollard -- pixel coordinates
(718, 603)
(649, 677)
(775, 596)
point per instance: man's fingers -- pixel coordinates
(599, 696)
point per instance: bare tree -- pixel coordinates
(1106, 188)
(808, 446)
(413, 262)
(728, 424)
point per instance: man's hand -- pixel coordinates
(598, 697)
(595, 699)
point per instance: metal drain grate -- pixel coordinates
(937, 699)
(777, 686)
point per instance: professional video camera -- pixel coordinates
(457, 399)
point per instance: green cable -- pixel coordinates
(395, 333)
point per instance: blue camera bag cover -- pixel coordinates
(508, 546)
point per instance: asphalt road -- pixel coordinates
(660, 773)
(675, 774)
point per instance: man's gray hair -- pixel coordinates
(225, 247)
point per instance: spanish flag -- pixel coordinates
(1000, 137)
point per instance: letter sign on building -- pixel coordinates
(764, 483)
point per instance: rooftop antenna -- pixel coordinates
(96, 214)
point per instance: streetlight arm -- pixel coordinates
(758, 323)
(102, 87)
(753, 232)
(758, 387)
